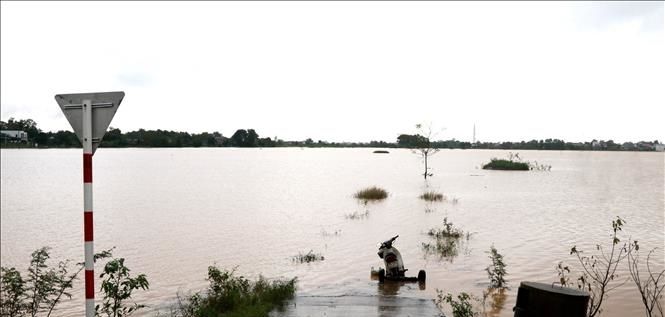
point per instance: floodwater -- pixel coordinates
(173, 212)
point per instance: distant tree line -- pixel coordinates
(250, 138)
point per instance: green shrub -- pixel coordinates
(501, 164)
(118, 286)
(515, 163)
(230, 296)
(371, 193)
(497, 270)
(46, 285)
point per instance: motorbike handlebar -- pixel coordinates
(388, 243)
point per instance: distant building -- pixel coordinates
(14, 135)
(659, 147)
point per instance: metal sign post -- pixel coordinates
(89, 115)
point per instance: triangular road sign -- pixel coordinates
(104, 106)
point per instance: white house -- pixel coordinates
(15, 135)
(659, 147)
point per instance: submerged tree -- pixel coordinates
(420, 144)
(425, 148)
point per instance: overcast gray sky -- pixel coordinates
(345, 71)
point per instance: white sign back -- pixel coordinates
(104, 105)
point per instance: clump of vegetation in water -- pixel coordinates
(447, 231)
(432, 196)
(371, 193)
(515, 163)
(445, 248)
(233, 296)
(506, 165)
(308, 257)
(447, 240)
(381, 152)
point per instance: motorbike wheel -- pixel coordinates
(422, 276)
(382, 275)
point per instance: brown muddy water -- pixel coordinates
(173, 212)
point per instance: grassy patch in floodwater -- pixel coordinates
(381, 152)
(308, 257)
(515, 163)
(357, 215)
(371, 193)
(447, 240)
(234, 296)
(506, 165)
(445, 248)
(432, 196)
(447, 231)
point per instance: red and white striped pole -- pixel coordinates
(87, 210)
(78, 109)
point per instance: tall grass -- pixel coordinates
(357, 215)
(432, 196)
(371, 193)
(308, 257)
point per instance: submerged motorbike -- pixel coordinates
(394, 266)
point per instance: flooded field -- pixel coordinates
(173, 212)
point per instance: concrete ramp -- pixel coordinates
(366, 306)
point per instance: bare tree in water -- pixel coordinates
(424, 148)
(650, 286)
